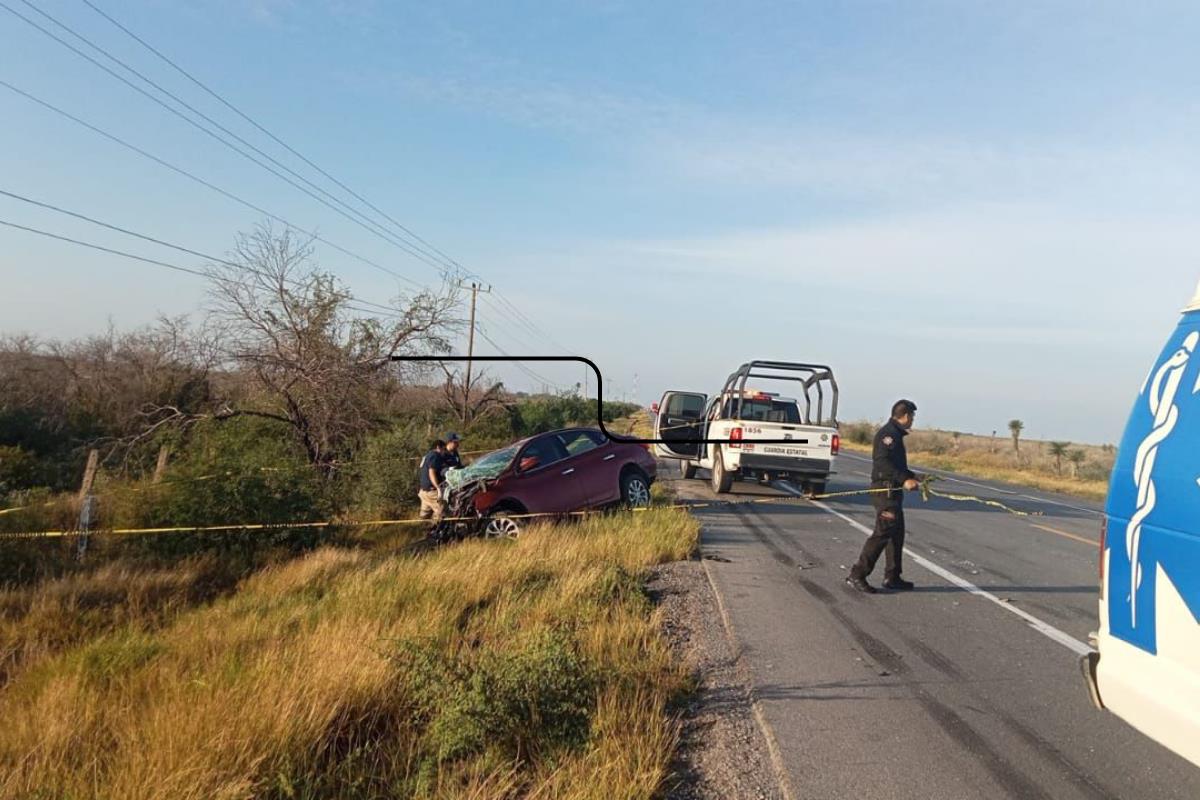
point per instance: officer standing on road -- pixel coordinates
(889, 471)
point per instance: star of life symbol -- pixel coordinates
(1162, 391)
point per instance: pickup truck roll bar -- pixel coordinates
(807, 375)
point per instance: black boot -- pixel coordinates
(898, 585)
(859, 583)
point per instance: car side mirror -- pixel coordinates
(528, 463)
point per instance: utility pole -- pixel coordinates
(475, 290)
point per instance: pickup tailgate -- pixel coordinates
(779, 446)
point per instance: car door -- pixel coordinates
(597, 467)
(549, 485)
(679, 425)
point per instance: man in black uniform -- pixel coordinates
(889, 471)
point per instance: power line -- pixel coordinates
(534, 327)
(102, 248)
(223, 192)
(123, 253)
(450, 261)
(369, 225)
(165, 243)
(524, 343)
(441, 265)
(404, 245)
(516, 362)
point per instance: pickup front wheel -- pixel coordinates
(721, 480)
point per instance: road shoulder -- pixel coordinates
(722, 752)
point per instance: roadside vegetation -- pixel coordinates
(300, 662)
(1076, 469)
(489, 669)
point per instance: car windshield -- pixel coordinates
(489, 466)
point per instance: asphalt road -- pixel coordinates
(966, 687)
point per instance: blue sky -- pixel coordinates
(990, 208)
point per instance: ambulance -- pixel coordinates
(1146, 665)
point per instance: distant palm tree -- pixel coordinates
(1058, 450)
(1015, 426)
(1076, 457)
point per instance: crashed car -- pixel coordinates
(551, 473)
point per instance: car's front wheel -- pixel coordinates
(635, 490)
(502, 526)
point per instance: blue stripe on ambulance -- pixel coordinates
(1154, 501)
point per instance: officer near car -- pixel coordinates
(430, 477)
(890, 472)
(451, 459)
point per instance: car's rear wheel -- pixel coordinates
(721, 480)
(635, 490)
(502, 526)
(815, 487)
(688, 468)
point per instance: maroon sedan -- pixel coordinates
(559, 472)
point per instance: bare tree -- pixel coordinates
(467, 403)
(108, 391)
(314, 366)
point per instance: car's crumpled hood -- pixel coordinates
(460, 476)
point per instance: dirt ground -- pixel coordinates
(722, 752)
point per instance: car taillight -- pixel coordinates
(1103, 538)
(735, 437)
(835, 445)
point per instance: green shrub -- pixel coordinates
(528, 699)
(381, 480)
(859, 432)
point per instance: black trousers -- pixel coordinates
(888, 537)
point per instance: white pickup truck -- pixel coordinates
(747, 433)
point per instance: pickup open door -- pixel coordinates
(680, 423)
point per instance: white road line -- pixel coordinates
(946, 477)
(1044, 628)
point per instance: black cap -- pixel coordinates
(451, 437)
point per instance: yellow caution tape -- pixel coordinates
(926, 493)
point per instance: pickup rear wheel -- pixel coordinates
(721, 480)
(814, 487)
(688, 468)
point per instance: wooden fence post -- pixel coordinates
(87, 502)
(159, 468)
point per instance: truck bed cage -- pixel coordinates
(807, 375)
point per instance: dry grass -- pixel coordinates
(39, 621)
(489, 669)
(996, 459)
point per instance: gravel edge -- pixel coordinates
(722, 751)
